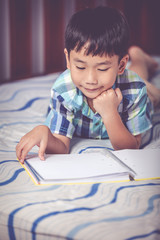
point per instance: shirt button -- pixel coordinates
(97, 124)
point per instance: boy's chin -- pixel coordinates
(91, 97)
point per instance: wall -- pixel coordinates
(32, 32)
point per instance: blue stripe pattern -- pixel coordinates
(92, 192)
(27, 105)
(143, 236)
(25, 90)
(116, 219)
(16, 173)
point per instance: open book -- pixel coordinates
(123, 165)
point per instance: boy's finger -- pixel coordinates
(19, 149)
(20, 146)
(25, 151)
(42, 150)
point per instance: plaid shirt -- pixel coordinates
(70, 114)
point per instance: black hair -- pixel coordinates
(105, 29)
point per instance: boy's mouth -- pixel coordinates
(92, 89)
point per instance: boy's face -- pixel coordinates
(94, 74)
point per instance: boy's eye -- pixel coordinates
(103, 70)
(81, 68)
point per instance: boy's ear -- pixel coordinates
(122, 64)
(67, 58)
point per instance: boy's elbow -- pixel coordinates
(134, 143)
(138, 139)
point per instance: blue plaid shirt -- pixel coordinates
(71, 116)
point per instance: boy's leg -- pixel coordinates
(145, 66)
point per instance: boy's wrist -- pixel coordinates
(110, 116)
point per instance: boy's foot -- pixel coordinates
(137, 54)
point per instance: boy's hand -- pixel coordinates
(38, 136)
(107, 103)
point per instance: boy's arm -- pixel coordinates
(45, 140)
(58, 144)
(119, 135)
(106, 105)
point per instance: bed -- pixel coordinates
(129, 210)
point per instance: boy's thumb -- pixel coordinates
(119, 94)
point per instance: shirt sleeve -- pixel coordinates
(60, 118)
(137, 118)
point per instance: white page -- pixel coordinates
(72, 166)
(145, 162)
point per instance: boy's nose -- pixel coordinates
(91, 78)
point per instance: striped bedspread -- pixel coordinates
(129, 210)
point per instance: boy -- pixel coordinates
(96, 97)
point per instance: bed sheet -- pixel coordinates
(129, 210)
